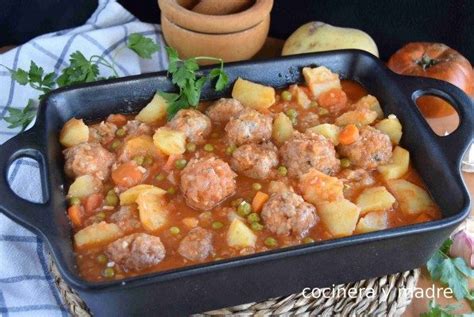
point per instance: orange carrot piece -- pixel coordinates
(93, 202)
(334, 99)
(127, 175)
(259, 200)
(75, 214)
(349, 134)
(117, 119)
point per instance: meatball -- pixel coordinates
(222, 110)
(255, 160)
(309, 150)
(126, 218)
(102, 133)
(136, 252)
(287, 212)
(194, 124)
(205, 182)
(88, 159)
(249, 126)
(372, 148)
(197, 245)
(136, 128)
(307, 121)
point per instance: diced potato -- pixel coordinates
(371, 103)
(373, 221)
(411, 198)
(282, 128)
(74, 132)
(152, 209)
(96, 234)
(84, 185)
(374, 199)
(329, 131)
(318, 188)
(340, 217)
(320, 79)
(140, 145)
(240, 236)
(397, 166)
(130, 195)
(154, 111)
(392, 127)
(357, 117)
(300, 96)
(253, 95)
(170, 141)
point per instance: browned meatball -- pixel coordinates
(222, 110)
(102, 133)
(126, 218)
(255, 160)
(136, 128)
(307, 121)
(194, 124)
(197, 245)
(371, 149)
(88, 159)
(249, 126)
(309, 150)
(136, 252)
(206, 182)
(287, 212)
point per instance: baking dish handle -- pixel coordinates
(455, 144)
(29, 214)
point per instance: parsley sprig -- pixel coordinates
(21, 117)
(436, 310)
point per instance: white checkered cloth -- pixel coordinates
(26, 285)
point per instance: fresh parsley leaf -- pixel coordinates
(20, 76)
(36, 73)
(222, 78)
(142, 45)
(80, 70)
(446, 246)
(439, 311)
(21, 118)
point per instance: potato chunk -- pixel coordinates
(320, 79)
(300, 96)
(96, 234)
(340, 217)
(139, 145)
(412, 199)
(357, 117)
(84, 185)
(240, 236)
(318, 188)
(398, 165)
(371, 103)
(253, 95)
(282, 128)
(372, 221)
(154, 111)
(327, 130)
(374, 199)
(170, 141)
(74, 132)
(152, 209)
(392, 127)
(130, 195)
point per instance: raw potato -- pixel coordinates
(282, 128)
(152, 209)
(240, 236)
(373, 221)
(412, 199)
(329, 131)
(371, 103)
(392, 127)
(300, 96)
(140, 145)
(319, 36)
(318, 188)
(253, 95)
(154, 111)
(357, 117)
(97, 233)
(320, 79)
(398, 165)
(130, 195)
(170, 141)
(375, 199)
(84, 186)
(339, 217)
(74, 132)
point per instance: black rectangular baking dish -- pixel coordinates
(260, 276)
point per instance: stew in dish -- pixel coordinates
(264, 169)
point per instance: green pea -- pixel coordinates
(115, 145)
(217, 225)
(270, 242)
(323, 111)
(253, 217)
(236, 202)
(171, 190)
(191, 147)
(120, 132)
(230, 149)
(244, 209)
(256, 226)
(100, 216)
(111, 198)
(308, 240)
(282, 170)
(256, 186)
(208, 147)
(180, 164)
(139, 159)
(101, 259)
(286, 95)
(175, 230)
(74, 201)
(345, 163)
(148, 160)
(291, 113)
(160, 177)
(108, 272)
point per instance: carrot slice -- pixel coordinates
(259, 200)
(334, 100)
(349, 134)
(127, 175)
(117, 119)
(93, 202)
(75, 214)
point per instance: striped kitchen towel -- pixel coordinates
(26, 285)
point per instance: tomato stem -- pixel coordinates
(426, 62)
